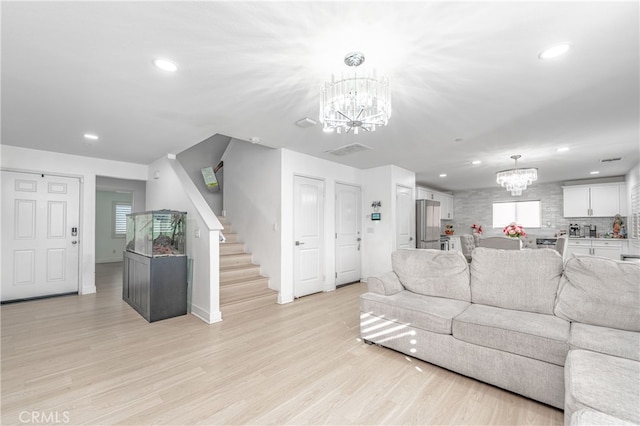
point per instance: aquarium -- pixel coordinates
(157, 233)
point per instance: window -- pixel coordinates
(524, 213)
(120, 212)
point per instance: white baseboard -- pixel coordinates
(284, 301)
(109, 260)
(206, 316)
(90, 289)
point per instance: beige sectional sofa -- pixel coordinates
(567, 335)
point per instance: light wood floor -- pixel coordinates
(93, 360)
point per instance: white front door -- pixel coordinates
(40, 255)
(348, 237)
(308, 217)
(405, 218)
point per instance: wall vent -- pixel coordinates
(349, 149)
(610, 160)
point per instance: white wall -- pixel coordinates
(251, 199)
(205, 154)
(174, 190)
(259, 194)
(379, 237)
(294, 163)
(109, 247)
(86, 168)
(137, 188)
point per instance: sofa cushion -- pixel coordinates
(611, 341)
(604, 383)
(596, 418)
(426, 312)
(539, 336)
(524, 280)
(385, 284)
(433, 273)
(599, 291)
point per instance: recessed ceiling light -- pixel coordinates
(165, 64)
(563, 149)
(306, 122)
(443, 175)
(476, 162)
(555, 51)
(91, 136)
(595, 172)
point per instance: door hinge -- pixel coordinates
(336, 235)
(336, 275)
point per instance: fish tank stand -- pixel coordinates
(154, 273)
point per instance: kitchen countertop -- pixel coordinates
(597, 239)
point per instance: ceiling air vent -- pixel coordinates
(349, 149)
(611, 160)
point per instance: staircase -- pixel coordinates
(242, 288)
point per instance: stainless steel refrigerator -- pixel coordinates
(428, 224)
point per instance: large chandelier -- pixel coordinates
(516, 180)
(356, 102)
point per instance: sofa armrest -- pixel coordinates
(385, 284)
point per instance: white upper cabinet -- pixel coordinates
(446, 201)
(446, 205)
(576, 201)
(424, 194)
(598, 200)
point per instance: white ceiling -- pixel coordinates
(465, 77)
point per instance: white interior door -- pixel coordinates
(40, 254)
(308, 216)
(405, 218)
(348, 234)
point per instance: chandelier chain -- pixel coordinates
(516, 180)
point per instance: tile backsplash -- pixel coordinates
(476, 206)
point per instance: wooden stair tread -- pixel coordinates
(243, 280)
(242, 288)
(239, 267)
(228, 255)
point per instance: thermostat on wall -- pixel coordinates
(375, 216)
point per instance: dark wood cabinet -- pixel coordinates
(156, 287)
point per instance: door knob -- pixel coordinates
(74, 242)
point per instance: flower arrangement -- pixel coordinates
(477, 228)
(514, 230)
(449, 230)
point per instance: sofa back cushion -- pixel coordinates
(433, 273)
(599, 291)
(524, 280)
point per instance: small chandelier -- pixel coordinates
(516, 180)
(357, 102)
